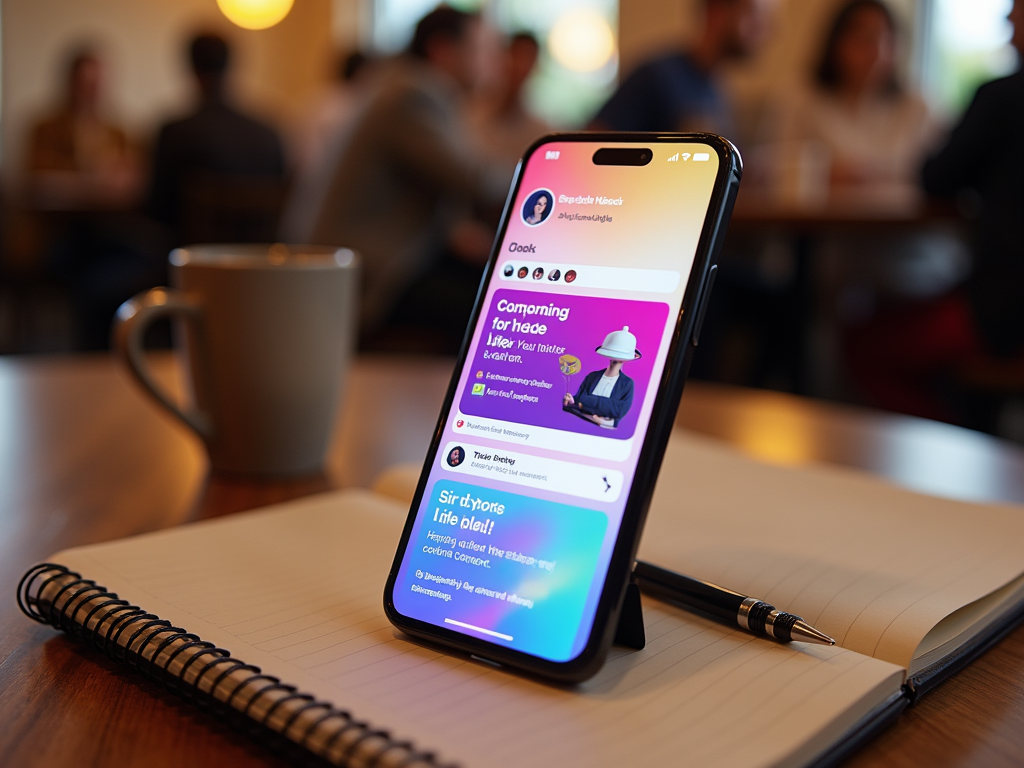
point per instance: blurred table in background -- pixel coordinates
(84, 457)
(871, 214)
(880, 209)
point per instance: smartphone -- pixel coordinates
(520, 541)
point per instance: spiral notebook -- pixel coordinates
(273, 620)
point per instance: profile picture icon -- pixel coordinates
(523, 272)
(538, 207)
(554, 274)
(456, 456)
(509, 270)
(538, 273)
(570, 275)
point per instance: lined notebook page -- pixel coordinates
(871, 565)
(297, 590)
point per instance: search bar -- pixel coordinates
(589, 276)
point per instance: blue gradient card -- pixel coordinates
(502, 567)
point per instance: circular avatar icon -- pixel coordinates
(569, 364)
(554, 274)
(538, 207)
(538, 273)
(523, 272)
(509, 270)
(570, 275)
(456, 456)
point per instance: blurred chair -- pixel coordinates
(221, 208)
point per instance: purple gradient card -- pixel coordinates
(537, 347)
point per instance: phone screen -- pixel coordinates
(524, 498)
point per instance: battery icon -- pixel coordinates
(701, 157)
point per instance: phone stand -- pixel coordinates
(630, 632)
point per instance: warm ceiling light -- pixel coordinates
(582, 40)
(255, 14)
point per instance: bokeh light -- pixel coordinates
(255, 14)
(582, 40)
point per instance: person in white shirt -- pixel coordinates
(855, 138)
(605, 396)
(862, 123)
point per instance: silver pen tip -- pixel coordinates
(805, 633)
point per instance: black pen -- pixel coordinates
(749, 613)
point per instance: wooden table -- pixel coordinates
(84, 458)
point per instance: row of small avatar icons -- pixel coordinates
(538, 274)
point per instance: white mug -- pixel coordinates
(268, 332)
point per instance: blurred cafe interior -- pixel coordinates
(240, 242)
(875, 257)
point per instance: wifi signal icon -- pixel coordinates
(674, 158)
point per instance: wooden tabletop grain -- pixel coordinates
(84, 457)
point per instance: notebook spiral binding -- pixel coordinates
(294, 724)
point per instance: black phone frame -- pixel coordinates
(670, 389)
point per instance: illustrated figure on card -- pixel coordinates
(605, 396)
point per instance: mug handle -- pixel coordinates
(130, 324)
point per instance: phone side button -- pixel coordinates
(709, 284)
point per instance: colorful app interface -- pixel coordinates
(523, 503)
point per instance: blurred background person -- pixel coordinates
(681, 91)
(994, 120)
(958, 357)
(855, 136)
(78, 156)
(402, 175)
(83, 182)
(864, 125)
(217, 173)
